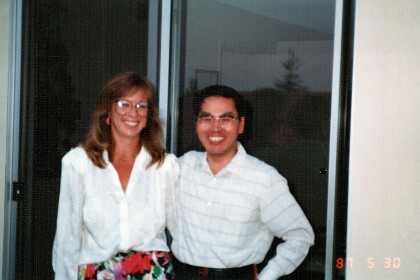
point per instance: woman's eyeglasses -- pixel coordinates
(124, 107)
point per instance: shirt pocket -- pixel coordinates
(239, 220)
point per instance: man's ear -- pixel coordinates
(241, 125)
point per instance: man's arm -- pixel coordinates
(285, 219)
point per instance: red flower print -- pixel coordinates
(90, 271)
(144, 264)
(136, 263)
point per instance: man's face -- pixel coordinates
(219, 137)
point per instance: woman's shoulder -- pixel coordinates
(170, 161)
(77, 157)
(171, 158)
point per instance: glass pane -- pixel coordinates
(279, 55)
(71, 48)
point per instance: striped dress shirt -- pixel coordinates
(230, 219)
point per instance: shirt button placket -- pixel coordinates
(212, 185)
(124, 224)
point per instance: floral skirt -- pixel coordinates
(130, 266)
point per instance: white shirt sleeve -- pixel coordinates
(285, 219)
(172, 178)
(68, 236)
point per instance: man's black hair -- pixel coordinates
(223, 91)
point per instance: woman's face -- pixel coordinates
(128, 116)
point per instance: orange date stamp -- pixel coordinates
(370, 263)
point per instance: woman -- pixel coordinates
(116, 191)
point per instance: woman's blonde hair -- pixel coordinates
(99, 138)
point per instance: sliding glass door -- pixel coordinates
(279, 55)
(70, 49)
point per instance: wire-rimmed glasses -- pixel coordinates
(225, 121)
(124, 107)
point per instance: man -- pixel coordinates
(231, 205)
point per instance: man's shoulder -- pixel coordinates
(255, 163)
(191, 157)
(257, 168)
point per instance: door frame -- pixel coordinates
(14, 115)
(166, 82)
(13, 138)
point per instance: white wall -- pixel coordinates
(384, 219)
(4, 65)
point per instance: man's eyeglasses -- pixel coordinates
(225, 121)
(124, 107)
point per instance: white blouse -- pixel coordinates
(97, 219)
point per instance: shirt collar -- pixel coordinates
(143, 156)
(236, 160)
